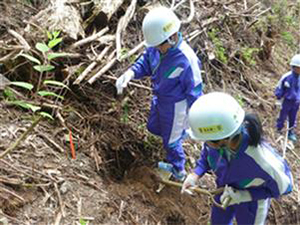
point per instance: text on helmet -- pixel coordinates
(169, 26)
(211, 129)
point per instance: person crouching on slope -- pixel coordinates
(288, 89)
(175, 72)
(248, 168)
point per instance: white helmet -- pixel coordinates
(295, 61)
(158, 25)
(215, 116)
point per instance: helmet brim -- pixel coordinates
(191, 135)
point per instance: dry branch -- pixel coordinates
(12, 193)
(21, 138)
(59, 15)
(103, 70)
(21, 39)
(92, 65)
(57, 146)
(192, 13)
(103, 9)
(132, 51)
(123, 22)
(61, 203)
(90, 38)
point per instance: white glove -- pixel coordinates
(123, 80)
(278, 103)
(237, 196)
(189, 183)
(287, 84)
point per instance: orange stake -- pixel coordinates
(72, 145)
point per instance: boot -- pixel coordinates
(292, 136)
(178, 175)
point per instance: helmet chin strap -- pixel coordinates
(229, 142)
(171, 41)
(238, 131)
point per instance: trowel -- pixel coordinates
(163, 175)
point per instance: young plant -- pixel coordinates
(46, 53)
(42, 64)
(32, 107)
(219, 48)
(248, 55)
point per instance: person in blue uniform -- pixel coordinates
(248, 168)
(288, 89)
(175, 72)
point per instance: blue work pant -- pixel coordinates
(169, 121)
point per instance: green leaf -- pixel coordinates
(25, 85)
(9, 94)
(54, 42)
(43, 68)
(55, 34)
(56, 83)
(48, 93)
(26, 105)
(56, 55)
(49, 35)
(47, 115)
(42, 47)
(31, 58)
(82, 221)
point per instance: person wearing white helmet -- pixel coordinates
(288, 89)
(175, 72)
(248, 168)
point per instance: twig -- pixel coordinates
(92, 65)
(294, 153)
(21, 39)
(72, 55)
(59, 200)
(197, 32)
(18, 182)
(21, 138)
(90, 38)
(121, 208)
(123, 22)
(192, 13)
(103, 70)
(180, 3)
(11, 181)
(58, 218)
(9, 56)
(257, 16)
(79, 205)
(13, 194)
(96, 157)
(39, 172)
(61, 119)
(106, 39)
(57, 146)
(172, 4)
(132, 51)
(12, 218)
(22, 171)
(245, 5)
(285, 140)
